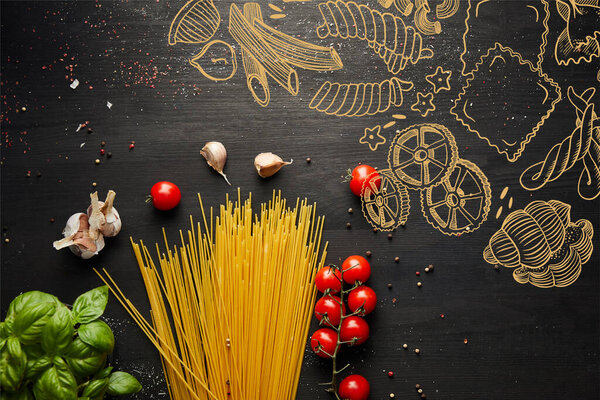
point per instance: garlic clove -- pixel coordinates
(216, 156)
(96, 219)
(267, 164)
(112, 225)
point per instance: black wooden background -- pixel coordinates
(523, 342)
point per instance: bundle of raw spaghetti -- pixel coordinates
(231, 306)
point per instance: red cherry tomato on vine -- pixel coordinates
(165, 195)
(331, 306)
(354, 329)
(323, 342)
(329, 278)
(356, 268)
(354, 387)
(360, 174)
(362, 296)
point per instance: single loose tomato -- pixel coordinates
(330, 305)
(323, 342)
(329, 278)
(355, 330)
(165, 195)
(362, 296)
(356, 268)
(359, 175)
(354, 387)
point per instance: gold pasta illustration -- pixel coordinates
(359, 99)
(541, 243)
(486, 25)
(423, 155)
(575, 48)
(440, 79)
(424, 104)
(231, 60)
(447, 8)
(422, 21)
(385, 3)
(461, 203)
(385, 202)
(196, 22)
(256, 77)
(492, 101)
(404, 6)
(388, 36)
(583, 144)
(372, 137)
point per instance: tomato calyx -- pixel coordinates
(348, 176)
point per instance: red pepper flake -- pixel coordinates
(391, 374)
(101, 152)
(417, 273)
(131, 146)
(442, 316)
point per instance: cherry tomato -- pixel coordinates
(356, 268)
(331, 306)
(362, 296)
(323, 342)
(359, 175)
(354, 387)
(354, 329)
(329, 278)
(165, 195)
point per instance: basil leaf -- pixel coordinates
(30, 321)
(36, 367)
(13, 362)
(95, 388)
(28, 300)
(23, 394)
(83, 359)
(4, 330)
(122, 383)
(33, 351)
(56, 383)
(90, 305)
(58, 332)
(103, 373)
(98, 335)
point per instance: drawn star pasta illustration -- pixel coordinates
(583, 144)
(505, 101)
(461, 203)
(424, 104)
(541, 243)
(385, 201)
(372, 137)
(579, 41)
(440, 79)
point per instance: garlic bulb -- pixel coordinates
(78, 239)
(216, 156)
(103, 216)
(267, 164)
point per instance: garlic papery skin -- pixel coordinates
(216, 156)
(77, 237)
(112, 223)
(267, 164)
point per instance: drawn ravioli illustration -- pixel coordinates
(523, 26)
(461, 203)
(541, 243)
(506, 101)
(385, 202)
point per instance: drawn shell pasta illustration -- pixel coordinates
(196, 22)
(461, 203)
(388, 36)
(542, 244)
(385, 202)
(423, 155)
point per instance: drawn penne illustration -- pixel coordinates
(486, 24)
(256, 77)
(404, 6)
(573, 47)
(447, 8)
(385, 201)
(583, 144)
(196, 22)
(359, 99)
(492, 101)
(388, 36)
(422, 20)
(230, 60)
(385, 3)
(541, 243)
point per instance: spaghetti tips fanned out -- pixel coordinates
(231, 306)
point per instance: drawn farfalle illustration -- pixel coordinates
(541, 243)
(583, 144)
(580, 39)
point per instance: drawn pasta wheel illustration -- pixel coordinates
(385, 201)
(461, 203)
(423, 155)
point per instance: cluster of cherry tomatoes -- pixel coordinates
(338, 326)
